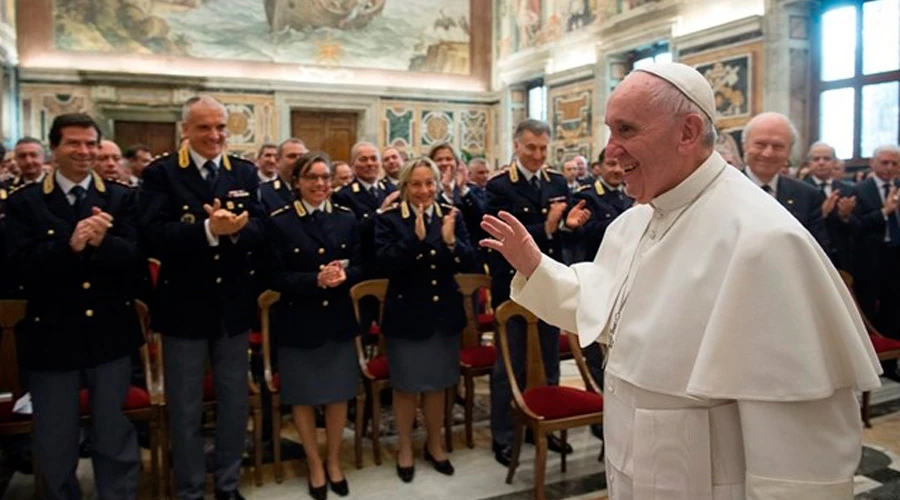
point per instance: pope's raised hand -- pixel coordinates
(512, 240)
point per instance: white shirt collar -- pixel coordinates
(310, 209)
(263, 178)
(607, 187)
(819, 181)
(200, 160)
(528, 174)
(428, 211)
(66, 185)
(772, 184)
(366, 186)
(688, 190)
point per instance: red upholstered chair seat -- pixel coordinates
(276, 381)
(378, 367)
(375, 329)
(564, 346)
(554, 402)
(137, 398)
(255, 339)
(478, 356)
(884, 344)
(485, 322)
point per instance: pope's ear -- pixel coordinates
(691, 129)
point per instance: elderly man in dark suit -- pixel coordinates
(539, 197)
(839, 203)
(877, 266)
(768, 140)
(75, 238)
(201, 217)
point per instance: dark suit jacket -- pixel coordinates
(422, 297)
(605, 206)
(472, 209)
(274, 195)
(202, 289)
(512, 193)
(364, 206)
(80, 304)
(299, 246)
(804, 202)
(870, 231)
(840, 232)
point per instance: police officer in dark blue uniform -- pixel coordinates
(606, 200)
(421, 246)
(75, 238)
(201, 218)
(315, 260)
(464, 197)
(539, 198)
(277, 193)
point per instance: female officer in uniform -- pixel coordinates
(316, 261)
(421, 245)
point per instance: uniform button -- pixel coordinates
(240, 205)
(456, 259)
(321, 251)
(433, 266)
(433, 252)
(216, 257)
(86, 285)
(434, 282)
(252, 272)
(512, 271)
(544, 211)
(435, 298)
(249, 254)
(550, 251)
(343, 245)
(365, 216)
(296, 250)
(324, 303)
(321, 266)
(127, 302)
(218, 280)
(37, 319)
(185, 207)
(89, 313)
(525, 209)
(50, 232)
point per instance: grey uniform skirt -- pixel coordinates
(425, 365)
(326, 374)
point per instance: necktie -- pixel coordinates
(535, 184)
(824, 187)
(211, 172)
(315, 215)
(767, 188)
(893, 222)
(79, 193)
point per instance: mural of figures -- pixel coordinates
(414, 35)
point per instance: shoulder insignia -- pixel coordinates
(301, 210)
(551, 171)
(226, 161)
(404, 210)
(355, 187)
(3, 194)
(99, 184)
(277, 184)
(328, 207)
(599, 187)
(513, 173)
(546, 173)
(279, 211)
(184, 156)
(49, 183)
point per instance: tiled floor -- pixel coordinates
(479, 477)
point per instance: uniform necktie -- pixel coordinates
(374, 191)
(767, 188)
(893, 222)
(535, 184)
(211, 172)
(79, 193)
(824, 187)
(315, 215)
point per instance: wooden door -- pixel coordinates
(331, 132)
(159, 136)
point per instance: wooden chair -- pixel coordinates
(374, 368)
(886, 348)
(476, 360)
(273, 382)
(542, 408)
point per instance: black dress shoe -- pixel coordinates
(317, 492)
(502, 453)
(341, 488)
(554, 444)
(597, 431)
(444, 466)
(406, 474)
(229, 495)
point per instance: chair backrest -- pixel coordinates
(848, 280)
(11, 313)
(154, 264)
(469, 286)
(535, 376)
(589, 383)
(369, 288)
(265, 301)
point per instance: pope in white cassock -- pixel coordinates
(734, 346)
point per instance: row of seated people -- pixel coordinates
(81, 243)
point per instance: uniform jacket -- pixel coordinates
(355, 197)
(605, 205)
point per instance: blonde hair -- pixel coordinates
(407, 170)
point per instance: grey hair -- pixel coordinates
(410, 166)
(480, 160)
(536, 127)
(354, 151)
(886, 148)
(291, 140)
(673, 102)
(748, 128)
(822, 143)
(200, 99)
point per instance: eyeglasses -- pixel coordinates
(314, 178)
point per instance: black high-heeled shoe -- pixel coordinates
(318, 492)
(444, 466)
(406, 474)
(341, 488)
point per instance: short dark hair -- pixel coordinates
(306, 161)
(133, 150)
(29, 140)
(79, 120)
(536, 127)
(266, 146)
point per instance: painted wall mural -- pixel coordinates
(522, 24)
(572, 120)
(415, 126)
(414, 35)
